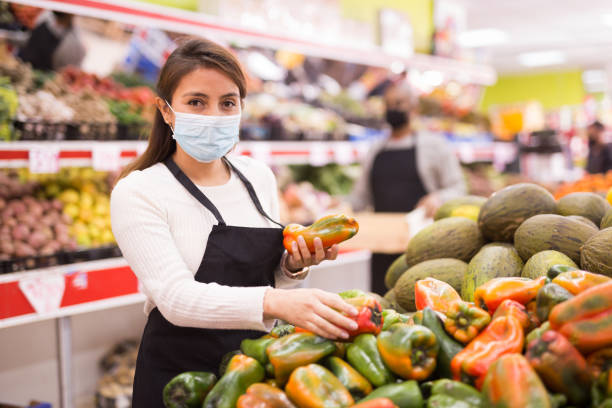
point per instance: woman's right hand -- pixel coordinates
(312, 309)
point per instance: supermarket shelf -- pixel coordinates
(93, 286)
(148, 15)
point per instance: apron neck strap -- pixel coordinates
(251, 191)
(193, 189)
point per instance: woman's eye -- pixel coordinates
(195, 102)
(229, 104)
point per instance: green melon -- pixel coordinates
(606, 221)
(495, 260)
(454, 237)
(589, 205)
(506, 209)
(448, 270)
(391, 297)
(539, 264)
(550, 231)
(446, 209)
(584, 220)
(596, 254)
(396, 269)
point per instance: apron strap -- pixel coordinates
(193, 189)
(251, 191)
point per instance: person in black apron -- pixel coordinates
(192, 140)
(44, 41)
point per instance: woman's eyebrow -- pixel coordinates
(195, 94)
(227, 95)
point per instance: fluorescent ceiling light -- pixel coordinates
(482, 38)
(541, 58)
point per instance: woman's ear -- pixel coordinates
(165, 111)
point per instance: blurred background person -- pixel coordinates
(409, 169)
(600, 152)
(54, 43)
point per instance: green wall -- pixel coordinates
(420, 13)
(551, 89)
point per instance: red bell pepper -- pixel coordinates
(503, 335)
(512, 308)
(491, 294)
(433, 293)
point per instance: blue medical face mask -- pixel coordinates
(205, 138)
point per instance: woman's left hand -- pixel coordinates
(301, 256)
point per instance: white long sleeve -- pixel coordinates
(163, 231)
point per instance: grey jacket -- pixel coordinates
(437, 165)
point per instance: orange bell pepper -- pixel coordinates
(491, 294)
(332, 229)
(578, 281)
(513, 308)
(503, 335)
(465, 320)
(262, 395)
(586, 319)
(434, 293)
(313, 386)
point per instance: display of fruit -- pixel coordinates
(594, 183)
(460, 206)
(588, 205)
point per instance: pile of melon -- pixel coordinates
(519, 231)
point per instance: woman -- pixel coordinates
(199, 232)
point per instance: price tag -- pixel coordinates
(343, 153)
(261, 152)
(318, 154)
(44, 292)
(44, 160)
(106, 157)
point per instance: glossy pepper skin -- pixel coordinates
(242, 371)
(188, 390)
(354, 382)
(548, 297)
(512, 308)
(282, 330)
(409, 351)
(560, 366)
(256, 348)
(492, 293)
(436, 294)
(313, 386)
(586, 319)
(556, 270)
(512, 383)
(369, 312)
(404, 395)
(295, 350)
(503, 335)
(262, 395)
(464, 321)
(447, 393)
(390, 317)
(364, 356)
(376, 403)
(448, 346)
(332, 229)
(578, 281)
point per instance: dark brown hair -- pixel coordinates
(192, 54)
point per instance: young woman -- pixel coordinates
(199, 231)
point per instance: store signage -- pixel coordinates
(44, 292)
(43, 160)
(318, 154)
(106, 157)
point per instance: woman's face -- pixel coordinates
(203, 91)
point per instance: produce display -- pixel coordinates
(466, 323)
(594, 183)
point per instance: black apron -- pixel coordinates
(234, 256)
(396, 187)
(40, 47)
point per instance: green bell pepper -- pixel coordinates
(225, 361)
(282, 330)
(364, 356)
(296, 350)
(404, 395)
(256, 348)
(356, 383)
(391, 317)
(188, 390)
(448, 393)
(548, 297)
(242, 371)
(448, 346)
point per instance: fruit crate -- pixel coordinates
(92, 254)
(133, 131)
(92, 131)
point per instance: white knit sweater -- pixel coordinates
(162, 231)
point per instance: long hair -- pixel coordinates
(192, 54)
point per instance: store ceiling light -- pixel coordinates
(541, 58)
(484, 37)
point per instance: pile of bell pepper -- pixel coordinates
(543, 342)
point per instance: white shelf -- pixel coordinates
(166, 18)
